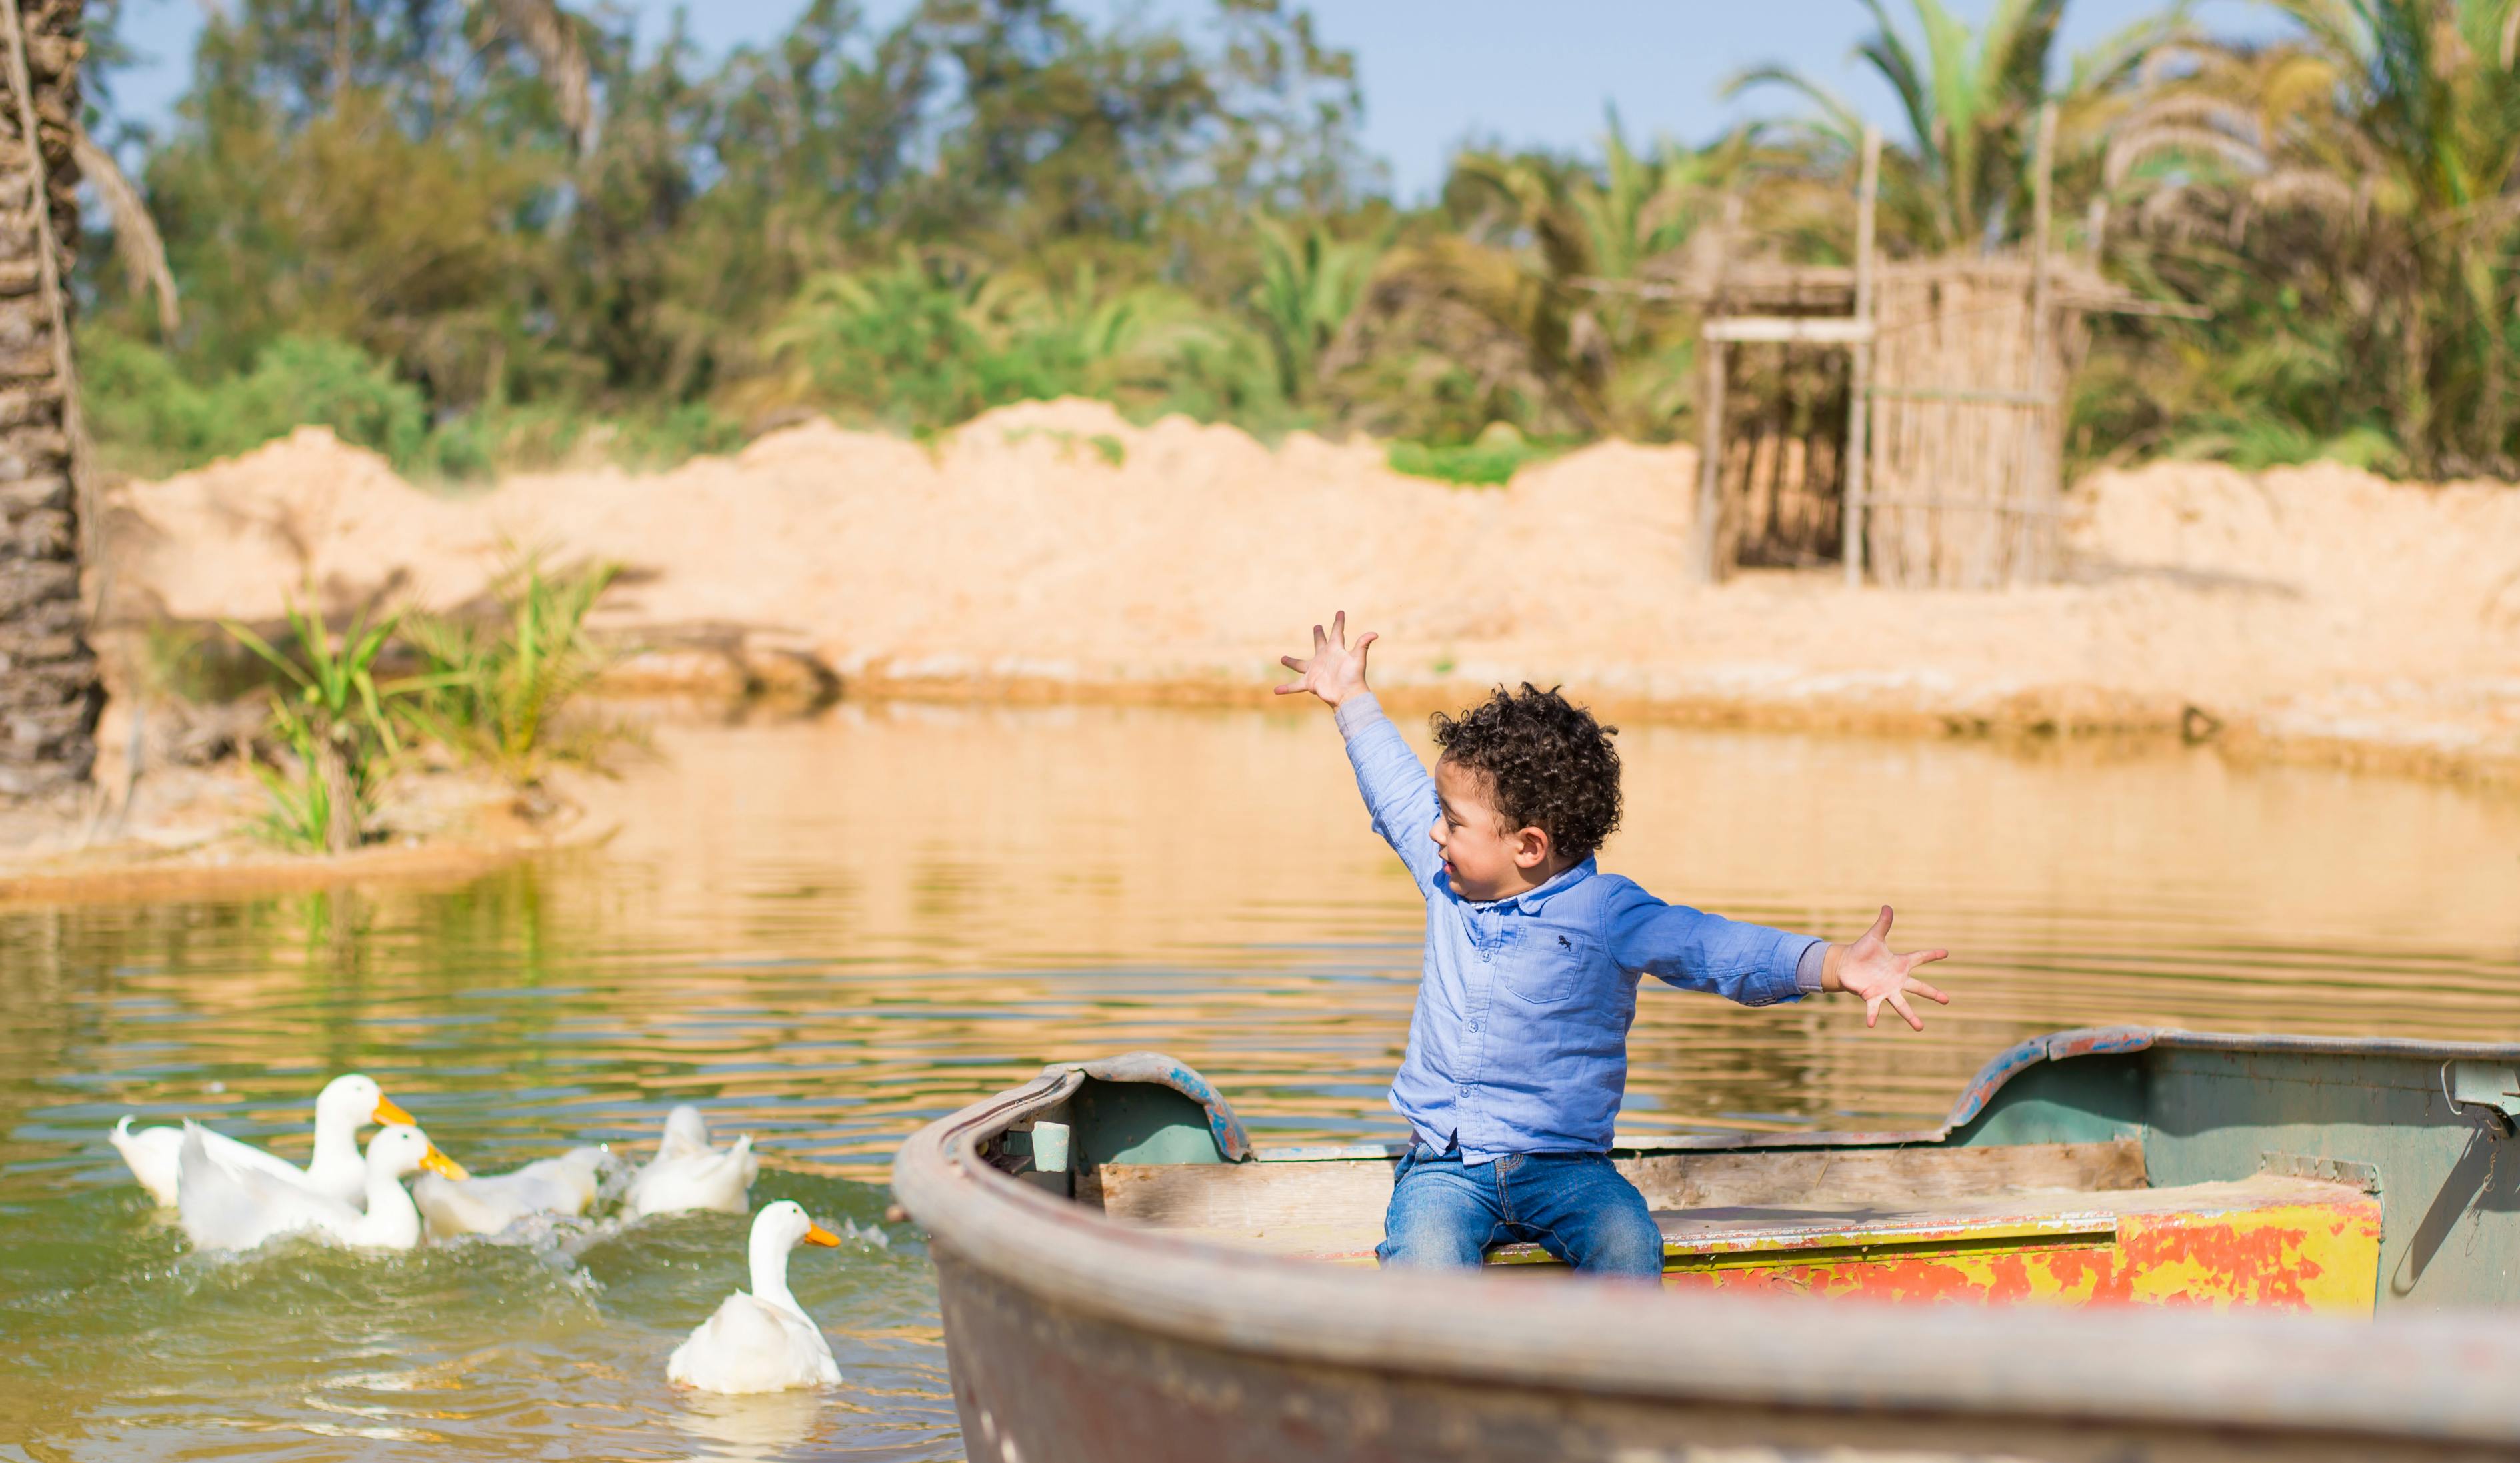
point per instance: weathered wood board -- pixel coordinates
(1346, 1192)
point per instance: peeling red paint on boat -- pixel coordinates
(2291, 1256)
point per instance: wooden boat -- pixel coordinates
(2147, 1244)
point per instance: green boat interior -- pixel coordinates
(2103, 1166)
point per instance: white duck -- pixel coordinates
(563, 1185)
(763, 1342)
(233, 1209)
(346, 1104)
(688, 1174)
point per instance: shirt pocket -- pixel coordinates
(1544, 965)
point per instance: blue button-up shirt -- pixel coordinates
(1520, 1043)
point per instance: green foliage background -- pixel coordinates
(382, 221)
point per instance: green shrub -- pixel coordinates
(146, 409)
(671, 435)
(155, 417)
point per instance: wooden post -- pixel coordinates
(1710, 456)
(2036, 495)
(1859, 385)
(1710, 405)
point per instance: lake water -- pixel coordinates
(826, 931)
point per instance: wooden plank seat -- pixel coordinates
(2069, 1223)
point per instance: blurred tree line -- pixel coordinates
(478, 233)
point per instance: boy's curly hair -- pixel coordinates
(1548, 762)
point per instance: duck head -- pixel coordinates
(778, 1228)
(787, 1225)
(355, 1100)
(399, 1148)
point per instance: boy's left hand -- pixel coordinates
(1870, 968)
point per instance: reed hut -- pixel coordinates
(1908, 416)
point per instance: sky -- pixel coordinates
(1436, 74)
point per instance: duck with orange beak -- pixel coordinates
(763, 1342)
(230, 1209)
(348, 1104)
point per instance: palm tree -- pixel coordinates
(1310, 284)
(49, 690)
(2385, 141)
(1970, 101)
(1548, 270)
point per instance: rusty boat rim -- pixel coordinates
(2444, 1376)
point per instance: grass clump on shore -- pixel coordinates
(333, 716)
(1490, 461)
(492, 688)
(497, 685)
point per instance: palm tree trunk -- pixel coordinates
(49, 688)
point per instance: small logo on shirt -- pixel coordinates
(1562, 940)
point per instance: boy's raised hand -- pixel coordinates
(1336, 670)
(1870, 968)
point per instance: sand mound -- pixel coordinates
(1053, 544)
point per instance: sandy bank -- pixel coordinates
(1051, 549)
(187, 833)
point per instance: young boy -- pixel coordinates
(1519, 1048)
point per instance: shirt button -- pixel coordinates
(1475, 1029)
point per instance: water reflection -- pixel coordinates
(750, 1427)
(826, 931)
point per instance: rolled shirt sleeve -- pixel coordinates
(1811, 967)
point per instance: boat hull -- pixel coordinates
(1076, 1332)
(1042, 1383)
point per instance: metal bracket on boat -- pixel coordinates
(1050, 1147)
(2484, 1084)
(2360, 1175)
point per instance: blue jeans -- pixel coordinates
(1445, 1213)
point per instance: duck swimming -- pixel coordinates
(688, 1174)
(239, 1209)
(762, 1342)
(346, 1104)
(563, 1185)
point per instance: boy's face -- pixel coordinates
(1484, 859)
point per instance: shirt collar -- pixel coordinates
(1530, 900)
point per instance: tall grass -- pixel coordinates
(497, 688)
(332, 713)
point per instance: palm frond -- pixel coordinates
(549, 34)
(2133, 148)
(1839, 118)
(136, 241)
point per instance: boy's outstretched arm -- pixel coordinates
(1756, 965)
(1397, 791)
